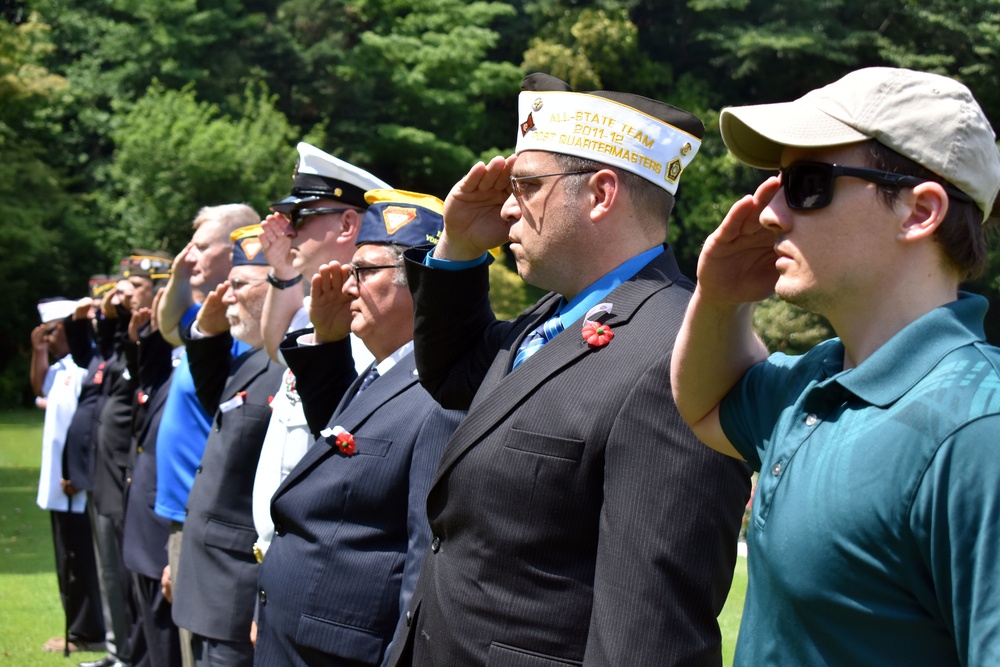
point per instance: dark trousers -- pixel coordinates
(220, 653)
(163, 648)
(76, 570)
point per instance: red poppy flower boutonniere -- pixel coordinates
(595, 333)
(342, 439)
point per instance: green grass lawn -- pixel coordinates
(30, 611)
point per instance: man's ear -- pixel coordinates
(350, 224)
(925, 210)
(605, 193)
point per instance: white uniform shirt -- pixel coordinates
(62, 385)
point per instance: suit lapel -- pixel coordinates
(353, 414)
(502, 392)
(250, 366)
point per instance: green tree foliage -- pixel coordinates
(787, 328)
(44, 251)
(411, 90)
(176, 154)
(119, 118)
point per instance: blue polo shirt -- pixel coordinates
(181, 439)
(875, 529)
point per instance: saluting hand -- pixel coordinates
(276, 242)
(472, 220)
(737, 261)
(329, 306)
(212, 319)
(137, 322)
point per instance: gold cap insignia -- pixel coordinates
(397, 217)
(251, 246)
(673, 170)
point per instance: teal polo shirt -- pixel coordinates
(875, 529)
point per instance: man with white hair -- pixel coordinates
(215, 581)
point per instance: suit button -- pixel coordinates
(263, 596)
(436, 544)
(409, 618)
(279, 529)
(199, 469)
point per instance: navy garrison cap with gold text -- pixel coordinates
(319, 175)
(247, 250)
(401, 217)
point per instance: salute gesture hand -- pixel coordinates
(212, 319)
(472, 220)
(737, 262)
(329, 307)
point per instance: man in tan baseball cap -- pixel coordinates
(873, 535)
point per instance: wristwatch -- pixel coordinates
(283, 284)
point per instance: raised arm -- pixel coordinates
(716, 344)
(280, 305)
(177, 297)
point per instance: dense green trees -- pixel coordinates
(120, 118)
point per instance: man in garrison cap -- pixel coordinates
(140, 274)
(352, 513)
(575, 517)
(213, 596)
(316, 224)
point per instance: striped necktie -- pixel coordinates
(533, 342)
(371, 377)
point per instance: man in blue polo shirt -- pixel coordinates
(874, 537)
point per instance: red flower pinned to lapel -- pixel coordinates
(595, 333)
(345, 442)
(342, 439)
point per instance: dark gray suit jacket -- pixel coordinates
(217, 574)
(350, 530)
(576, 518)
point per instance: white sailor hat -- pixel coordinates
(319, 175)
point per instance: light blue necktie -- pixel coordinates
(533, 342)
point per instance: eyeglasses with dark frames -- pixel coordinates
(298, 217)
(236, 284)
(808, 186)
(515, 184)
(358, 270)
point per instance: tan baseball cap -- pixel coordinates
(931, 119)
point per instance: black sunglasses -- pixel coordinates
(809, 185)
(298, 216)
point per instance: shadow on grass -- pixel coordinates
(25, 530)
